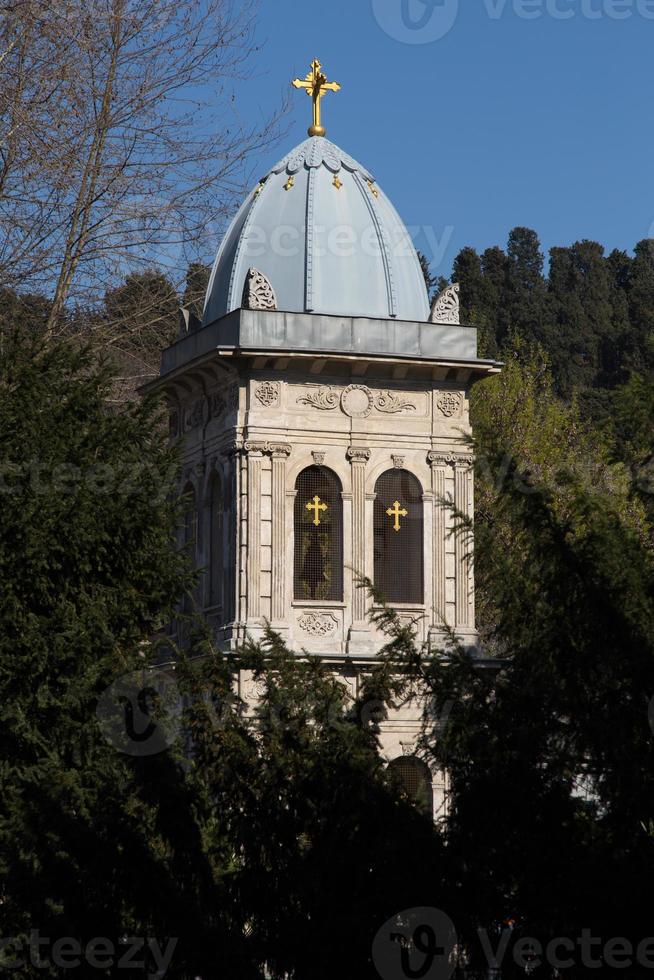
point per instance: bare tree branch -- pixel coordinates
(120, 148)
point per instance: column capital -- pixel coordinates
(457, 460)
(356, 454)
(276, 449)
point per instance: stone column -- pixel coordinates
(464, 504)
(280, 454)
(242, 516)
(253, 519)
(358, 458)
(439, 468)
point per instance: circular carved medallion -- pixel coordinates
(357, 401)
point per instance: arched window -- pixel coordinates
(318, 527)
(414, 778)
(216, 543)
(399, 537)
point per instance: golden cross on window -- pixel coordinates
(397, 511)
(317, 506)
(316, 85)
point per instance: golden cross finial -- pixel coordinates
(397, 511)
(316, 86)
(316, 505)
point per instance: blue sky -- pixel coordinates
(491, 114)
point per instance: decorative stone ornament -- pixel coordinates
(324, 399)
(392, 404)
(267, 393)
(194, 416)
(279, 449)
(357, 401)
(398, 462)
(446, 307)
(449, 403)
(357, 454)
(318, 623)
(318, 458)
(258, 293)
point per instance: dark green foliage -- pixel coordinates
(593, 314)
(431, 282)
(550, 753)
(251, 839)
(197, 281)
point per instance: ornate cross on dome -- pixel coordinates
(316, 85)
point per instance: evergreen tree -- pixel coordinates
(249, 837)
(197, 282)
(640, 295)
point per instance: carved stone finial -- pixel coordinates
(188, 322)
(445, 308)
(258, 293)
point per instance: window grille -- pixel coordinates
(398, 528)
(414, 778)
(318, 525)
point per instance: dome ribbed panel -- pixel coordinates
(328, 242)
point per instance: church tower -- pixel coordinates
(322, 410)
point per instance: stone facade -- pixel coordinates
(254, 418)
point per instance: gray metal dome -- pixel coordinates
(327, 239)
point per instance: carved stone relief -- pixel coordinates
(221, 402)
(449, 403)
(392, 404)
(258, 293)
(451, 459)
(194, 415)
(446, 308)
(267, 393)
(268, 448)
(318, 623)
(324, 399)
(357, 401)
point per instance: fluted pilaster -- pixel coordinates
(280, 455)
(464, 504)
(358, 459)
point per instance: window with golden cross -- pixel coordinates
(397, 511)
(316, 86)
(316, 505)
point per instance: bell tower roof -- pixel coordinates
(324, 235)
